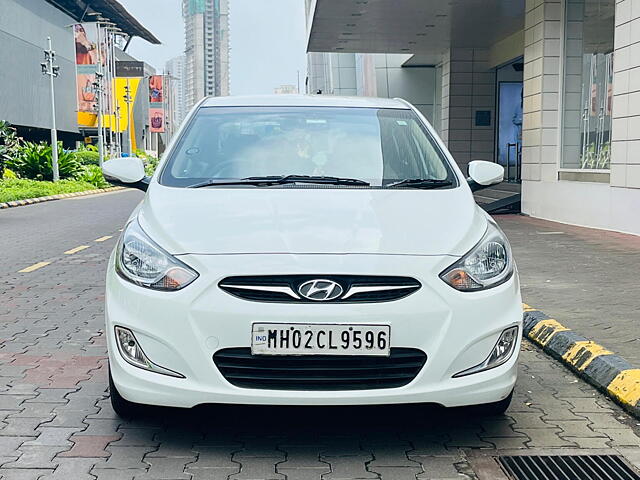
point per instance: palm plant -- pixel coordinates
(34, 161)
(9, 144)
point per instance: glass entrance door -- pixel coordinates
(510, 129)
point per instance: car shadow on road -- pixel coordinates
(256, 421)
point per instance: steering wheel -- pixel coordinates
(220, 167)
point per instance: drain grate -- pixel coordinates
(568, 467)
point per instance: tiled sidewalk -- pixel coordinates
(589, 280)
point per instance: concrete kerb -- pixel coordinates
(602, 368)
(60, 196)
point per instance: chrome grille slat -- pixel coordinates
(285, 288)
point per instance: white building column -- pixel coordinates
(468, 87)
(556, 185)
(541, 119)
(625, 159)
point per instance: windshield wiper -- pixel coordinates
(424, 183)
(283, 180)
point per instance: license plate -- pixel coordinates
(320, 339)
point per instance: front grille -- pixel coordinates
(319, 372)
(286, 288)
(567, 467)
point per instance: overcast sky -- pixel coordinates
(267, 40)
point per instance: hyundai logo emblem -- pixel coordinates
(320, 290)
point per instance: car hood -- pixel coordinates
(319, 220)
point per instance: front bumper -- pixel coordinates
(182, 330)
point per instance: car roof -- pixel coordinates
(303, 101)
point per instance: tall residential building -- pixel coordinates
(285, 90)
(175, 69)
(207, 49)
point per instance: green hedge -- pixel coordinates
(87, 157)
(92, 174)
(20, 189)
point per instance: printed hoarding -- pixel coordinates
(156, 102)
(129, 69)
(86, 65)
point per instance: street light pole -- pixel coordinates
(128, 100)
(48, 68)
(115, 35)
(99, 89)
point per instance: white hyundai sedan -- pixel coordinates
(310, 250)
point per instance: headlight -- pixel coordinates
(140, 261)
(487, 265)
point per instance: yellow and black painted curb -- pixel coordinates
(32, 201)
(602, 368)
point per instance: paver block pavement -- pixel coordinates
(90, 446)
(545, 437)
(20, 426)
(127, 457)
(37, 456)
(348, 467)
(72, 469)
(437, 467)
(53, 436)
(137, 437)
(396, 473)
(211, 473)
(301, 457)
(214, 457)
(52, 324)
(166, 469)
(24, 473)
(258, 468)
(303, 473)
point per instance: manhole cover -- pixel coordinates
(568, 467)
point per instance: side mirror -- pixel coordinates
(484, 174)
(126, 172)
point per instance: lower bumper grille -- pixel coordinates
(319, 372)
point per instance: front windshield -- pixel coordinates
(378, 146)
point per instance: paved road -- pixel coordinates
(56, 422)
(38, 232)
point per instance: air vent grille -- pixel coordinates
(319, 372)
(568, 467)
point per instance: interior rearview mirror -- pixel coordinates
(126, 172)
(484, 174)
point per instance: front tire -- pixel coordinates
(123, 407)
(495, 409)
